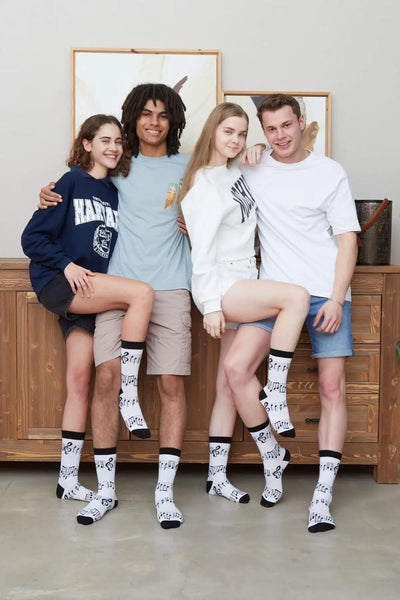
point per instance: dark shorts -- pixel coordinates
(57, 296)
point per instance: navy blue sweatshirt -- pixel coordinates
(82, 229)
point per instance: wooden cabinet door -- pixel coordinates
(41, 372)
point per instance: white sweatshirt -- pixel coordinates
(219, 211)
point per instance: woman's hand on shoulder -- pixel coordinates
(214, 324)
(251, 156)
(78, 279)
(47, 197)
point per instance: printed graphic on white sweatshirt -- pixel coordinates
(241, 193)
(89, 210)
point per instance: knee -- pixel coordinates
(78, 383)
(108, 381)
(235, 371)
(302, 300)
(142, 295)
(332, 391)
(171, 388)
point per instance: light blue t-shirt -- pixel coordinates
(150, 246)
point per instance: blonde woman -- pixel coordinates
(220, 216)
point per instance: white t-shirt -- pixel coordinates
(219, 212)
(300, 208)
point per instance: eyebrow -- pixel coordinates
(148, 110)
(108, 137)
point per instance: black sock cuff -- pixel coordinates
(331, 454)
(258, 427)
(281, 353)
(132, 345)
(103, 451)
(174, 451)
(73, 435)
(219, 439)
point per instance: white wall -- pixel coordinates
(347, 47)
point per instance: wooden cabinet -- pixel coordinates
(32, 383)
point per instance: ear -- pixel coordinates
(87, 145)
(302, 123)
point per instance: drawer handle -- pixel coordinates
(311, 420)
(312, 370)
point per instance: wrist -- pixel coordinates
(333, 299)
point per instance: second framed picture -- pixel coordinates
(315, 106)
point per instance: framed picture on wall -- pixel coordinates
(102, 78)
(315, 106)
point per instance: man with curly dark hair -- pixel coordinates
(150, 248)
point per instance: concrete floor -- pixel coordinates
(223, 551)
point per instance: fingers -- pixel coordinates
(213, 330)
(78, 278)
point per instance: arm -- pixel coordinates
(40, 242)
(47, 197)
(331, 312)
(202, 213)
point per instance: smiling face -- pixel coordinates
(152, 128)
(229, 140)
(283, 131)
(105, 149)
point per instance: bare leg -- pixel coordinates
(105, 425)
(111, 292)
(333, 420)
(248, 350)
(136, 297)
(172, 425)
(222, 423)
(246, 353)
(79, 347)
(331, 434)
(256, 299)
(223, 416)
(105, 413)
(253, 300)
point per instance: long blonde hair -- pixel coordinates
(205, 144)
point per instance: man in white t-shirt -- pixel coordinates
(306, 222)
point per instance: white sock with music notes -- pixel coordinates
(131, 355)
(273, 395)
(168, 515)
(105, 499)
(275, 460)
(319, 516)
(217, 482)
(68, 486)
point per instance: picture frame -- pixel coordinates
(316, 107)
(100, 83)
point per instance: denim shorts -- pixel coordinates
(57, 296)
(324, 345)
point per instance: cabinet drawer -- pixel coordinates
(363, 414)
(305, 409)
(367, 283)
(362, 371)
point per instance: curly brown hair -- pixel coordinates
(134, 104)
(78, 156)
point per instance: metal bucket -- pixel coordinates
(376, 240)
